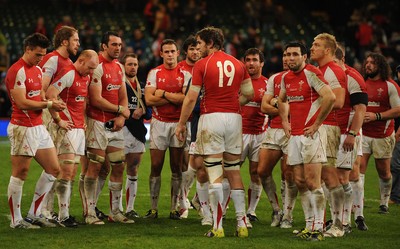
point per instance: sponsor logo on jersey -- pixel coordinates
(33, 93)
(296, 98)
(79, 98)
(374, 104)
(111, 87)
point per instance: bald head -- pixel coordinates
(87, 61)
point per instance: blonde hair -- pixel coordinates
(330, 41)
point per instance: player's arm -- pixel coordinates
(283, 110)
(187, 108)
(52, 94)
(340, 93)
(359, 102)
(19, 97)
(246, 92)
(154, 96)
(45, 84)
(175, 98)
(98, 101)
(123, 101)
(269, 105)
(328, 100)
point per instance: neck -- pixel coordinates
(324, 61)
(131, 79)
(63, 52)
(255, 76)
(24, 57)
(189, 62)
(170, 66)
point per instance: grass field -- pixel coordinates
(188, 233)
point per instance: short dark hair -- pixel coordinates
(339, 54)
(36, 40)
(253, 51)
(128, 55)
(168, 41)
(106, 37)
(212, 34)
(64, 33)
(296, 44)
(190, 41)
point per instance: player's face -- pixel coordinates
(202, 46)
(296, 61)
(193, 53)
(73, 44)
(131, 67)
(317, 50)
(285, 61)
(371, 69)
(169, 53)
(35, 55)
(253, 64)
(89, 66)
(113, 48)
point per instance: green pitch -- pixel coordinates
(188, 233)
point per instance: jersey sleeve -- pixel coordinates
(20, 78)
(393, 92)
(64, 81)
(97, 75)
(271, 85)
(50, 67)
(151, 78)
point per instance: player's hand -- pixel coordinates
(119, 122)
(65, 124)
(287, 128)
(310, 130)
(180, 132)
(126, 113)
(348, 144)
(138, 113)
(159, 93)
(58, 105)
(369, 117)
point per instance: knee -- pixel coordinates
(116, 157)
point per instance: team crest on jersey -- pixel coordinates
(180, 80)
(261, 92)
(30, 80)
(301, 85)
(380, 91)
(161, 80)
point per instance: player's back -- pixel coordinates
(220, 75)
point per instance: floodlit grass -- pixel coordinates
(165, 233)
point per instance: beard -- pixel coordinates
(71, 51)
(372, 74)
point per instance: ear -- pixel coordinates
(178, 52)
(64, 42)
(210, 45)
